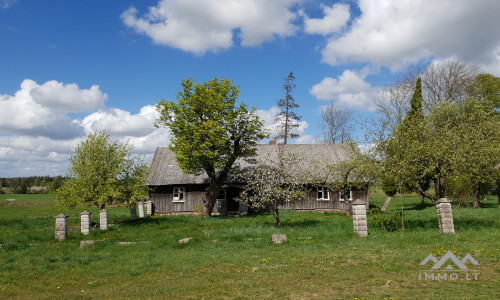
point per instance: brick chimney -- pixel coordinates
(272, 142)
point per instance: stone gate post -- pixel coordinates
(445, 216)
(61, 226)
(359, 217)
(85, 222)
(103, 219)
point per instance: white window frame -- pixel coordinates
(342, 198)
(325, 191)
(181, 194)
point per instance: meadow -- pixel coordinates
(232, 257)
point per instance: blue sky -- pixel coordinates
(68, 68)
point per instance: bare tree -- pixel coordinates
(336, 124)
(443, 81)
(448, 81)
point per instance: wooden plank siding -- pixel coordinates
(162, 198)
(334, 202)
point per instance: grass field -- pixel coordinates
(235, 258)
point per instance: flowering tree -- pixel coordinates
(274, 182)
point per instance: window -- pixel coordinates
(323, 193)
(178, 194)
(222, 195)
(341, 196)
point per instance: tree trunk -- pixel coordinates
(439, 187)
(276, 214)
(211, 195)
(348, 210)
(477, 195)
(423, 201)
(386, 204)
(133, 210)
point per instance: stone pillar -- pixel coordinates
(103, 219)
(140, 205)
(359, 217)
(149, 208)
(61, 226)
(443, 207)
(85, 222)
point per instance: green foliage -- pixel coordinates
(459, 138)
(486, 88)
(389, 186)
(209, 131)
(287, 118)
(101, 171)
(389, 223)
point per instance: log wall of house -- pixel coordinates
(334, 203)
(162, 198)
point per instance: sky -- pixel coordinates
(69, 68)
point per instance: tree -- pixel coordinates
(287, 119)
(356, 171)
(455, 138)
(274, 182)
(98, 168)
(210, 132)
(335, 124)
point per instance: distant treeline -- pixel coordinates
(25, 185)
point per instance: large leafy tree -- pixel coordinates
(210, 132)
(102, 171)
(458, 138)
(287, 119)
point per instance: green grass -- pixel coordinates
(243, 263)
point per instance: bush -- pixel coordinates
(388, 222)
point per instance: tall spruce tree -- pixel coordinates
(287, 118)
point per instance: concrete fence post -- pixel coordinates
(140, 205)
(103, 219)
(359, 217)
(149, 208)
(445, 216)
(61, 226)
(85, 222)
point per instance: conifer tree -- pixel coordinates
(287, 118)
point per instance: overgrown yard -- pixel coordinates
(235, 258)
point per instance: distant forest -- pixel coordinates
(23, 185)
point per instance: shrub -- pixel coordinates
(388, 222)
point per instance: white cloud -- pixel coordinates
(68, 97)
(37, 136)
(7, 3)
(271, 124)
(21, 114)
(334, 20)
(198, 26)
(121, 123)
(348, 90)
(398, 33)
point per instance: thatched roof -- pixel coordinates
(165, 171)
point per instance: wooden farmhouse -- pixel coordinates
(175, 192)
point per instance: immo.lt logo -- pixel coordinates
(449, 267)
